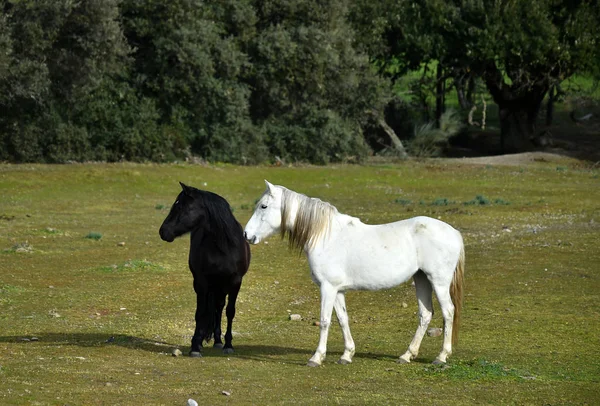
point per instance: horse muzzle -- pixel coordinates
(252, 240)
(166, 236)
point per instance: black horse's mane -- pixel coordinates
(222, 224)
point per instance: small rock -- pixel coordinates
(121, 244)
(176, 352)
(317, 323)
(34, 339)
(23, 247)
(295, 317)
(108, 384)
(191, 402)
(404, 305)
(25, 339)
(434, 332)
(226, 393)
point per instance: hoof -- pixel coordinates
(342, 361)
(218, 345)
(438, 362)
(402, 361)
(227, 351)
(195, 354)
(312, 364)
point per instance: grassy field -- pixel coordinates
(92, 302)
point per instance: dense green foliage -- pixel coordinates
(142, 79)
(518, 50)
(246, 81)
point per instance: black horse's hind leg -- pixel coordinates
(228, 349)
(219, 305)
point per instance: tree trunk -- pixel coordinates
(398, 146)
(470, 90)
(516, 131)
(550, 106)
(465, 98)
(519, 106)
(439, 94)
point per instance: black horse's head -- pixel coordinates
(187, 213)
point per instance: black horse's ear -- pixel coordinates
(185, 188)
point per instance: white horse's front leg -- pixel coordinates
(342, 315)
(328, 298)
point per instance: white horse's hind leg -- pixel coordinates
(443, 295)
(424, 298)
(328, 298)
(342, 315)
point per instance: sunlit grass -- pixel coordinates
(94, 321)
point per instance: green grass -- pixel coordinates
(95, 322)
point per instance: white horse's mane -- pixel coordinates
(312, 220)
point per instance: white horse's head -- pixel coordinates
(266, 219)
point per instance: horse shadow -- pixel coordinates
(90, 340)
(266, 353)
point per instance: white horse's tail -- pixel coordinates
(457, 293)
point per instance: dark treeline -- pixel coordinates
(245, 80)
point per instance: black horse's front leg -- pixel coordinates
(228, 348)
(219, 305)
(200, 318)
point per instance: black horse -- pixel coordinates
(219, 258)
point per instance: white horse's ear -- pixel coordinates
(269, 187)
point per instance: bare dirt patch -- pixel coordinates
(524, 158)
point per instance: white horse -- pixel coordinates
(346, 254)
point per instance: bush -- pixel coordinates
(318, 136)
(429, 140)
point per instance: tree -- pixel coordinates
(310, 88)
(58, 52)
(519, 49)
(188, 59)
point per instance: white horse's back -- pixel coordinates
(382, 256)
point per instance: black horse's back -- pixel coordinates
(219, 258)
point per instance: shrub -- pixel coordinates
(429, 140)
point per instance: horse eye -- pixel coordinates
(263, 206)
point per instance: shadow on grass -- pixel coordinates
(91, 340)
(269, 353)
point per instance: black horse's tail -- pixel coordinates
(210, 317)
